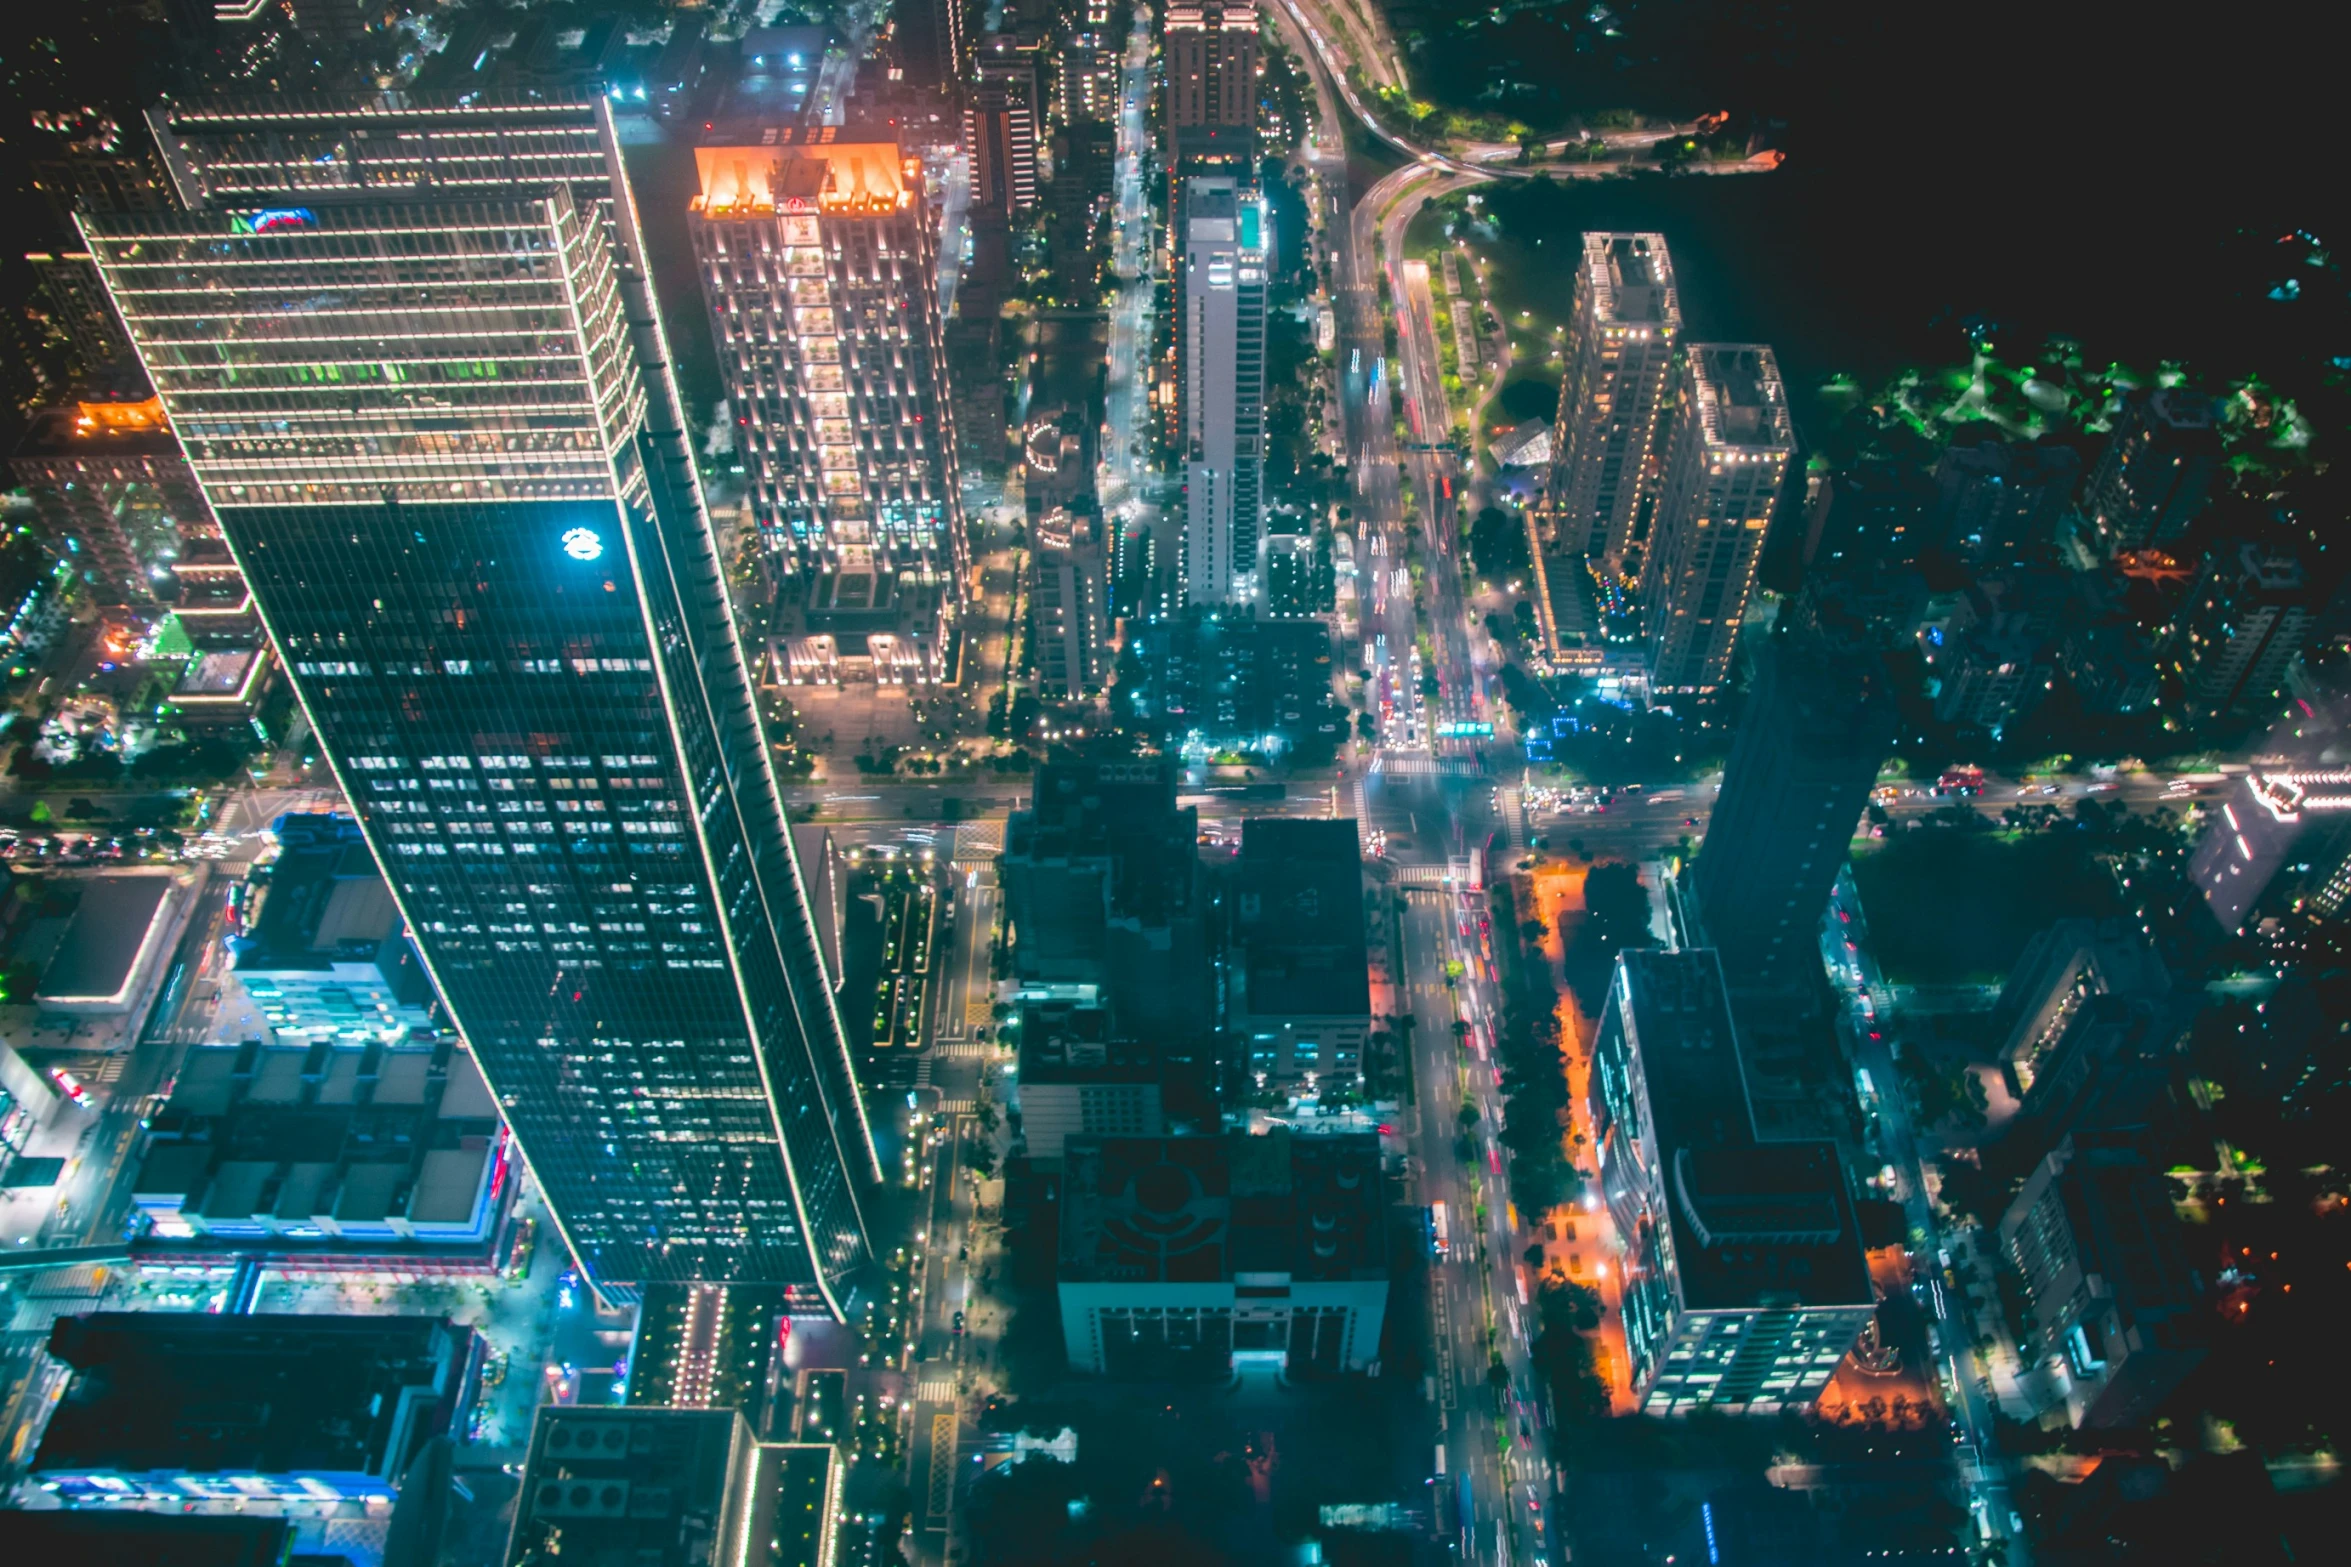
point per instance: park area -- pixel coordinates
(1955, 905)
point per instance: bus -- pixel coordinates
(1438, 1243)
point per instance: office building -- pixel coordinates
(2157, 471)
(2270, 818)
(2000, 502)
(165, 1409)
(2117, 1306)
(467, 508)
(322, 954)
(115, 942)
(1621, 341)
(1211, 52)
(1725, 462)
(1103, 892)
(2239, 629)
(1301, 988)
(1069, 621)
(672, 1488)
(820, 268)
(326, 1156)
(1183, 1255)
(1077, 1079)
(104, 1539)
(1817, 728)
(1222, 389)
(1744, 1282)
(1085, 153)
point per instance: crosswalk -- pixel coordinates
(957, 1106)
(1409, 764)
(938, 1392)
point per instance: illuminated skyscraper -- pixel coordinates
(1620, 346)
(819, 267)
(418, 376)
(1222, 354)
(1725, 460)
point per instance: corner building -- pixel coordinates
(437, 425)
(819, 268)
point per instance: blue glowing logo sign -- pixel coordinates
(582, 544)
(273, 220)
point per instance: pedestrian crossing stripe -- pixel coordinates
(937, 1393)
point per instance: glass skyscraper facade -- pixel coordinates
(437, 424)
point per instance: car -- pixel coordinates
(958, 1322)
(70, 1086)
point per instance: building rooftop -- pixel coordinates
(1199, 1210)
(1122, 812)
(324, 901)
(671, 1488)
(1063, 1042)
(1631, 278)
(1752, 1220)
(818, 168)
(117, 923)
(101, 429)
(89, 1537)
(189, 1392)
(1740, 398)
(1301, 917)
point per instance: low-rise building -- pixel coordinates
(1180, 1255)
(1744, 1282)
(112, 943)
(325, 1150)
(2116, 1307)
(169, 1409)
(1302, 975)
(324, 954)
(1077, 1080)
(672, 1488)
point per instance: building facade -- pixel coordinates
(1620, 348)
(325, 956)
(436, 424)
(1744, 1282)
(1180, 1255)
(1725, 463)
(819, 266)
(1222, 365)
(2117, 1306)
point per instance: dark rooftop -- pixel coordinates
(280, 1395)
(325, 900)
(1301, 917)
(1751, 1219)
(1206, 1209)
(1062, 1042)
(86, 1537)
(632, 1488)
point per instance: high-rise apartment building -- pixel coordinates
(1818, 726)
(1222, 364)
(2240, 627)
(2157, 471)
(1621, 341)
(419, 377)
(1006, 123)
(819, 266)
(1212, 75)
(1725, 460)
